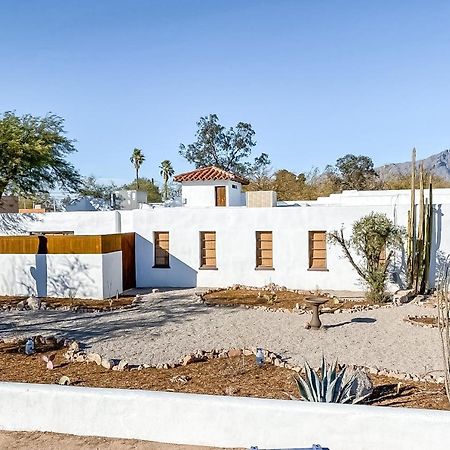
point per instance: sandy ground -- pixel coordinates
(168, 325)
(53, 441)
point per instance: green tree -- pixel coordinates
(144, 184)
(226, 149)
(373, 239)
(33, 152)
(356, 172)
(166, 172)
(93, 188)
(137, 159)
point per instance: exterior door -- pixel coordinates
(221, 196)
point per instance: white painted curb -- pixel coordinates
(216, 420)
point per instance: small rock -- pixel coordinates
(80, 358)
(231, 390)
(33, 303)
(402, 296)
(188, 359)
(122, 365)
(74, 347)
(182, 379)
(234, 352)
(94, 357)
(247, 352)
(20, 306)
(107, 363)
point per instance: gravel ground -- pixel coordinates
(52, 441)
(168, 325)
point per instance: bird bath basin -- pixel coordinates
(315, 303)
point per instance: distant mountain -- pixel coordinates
(438, 165)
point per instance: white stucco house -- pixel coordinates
(203, 243)
(211, 186)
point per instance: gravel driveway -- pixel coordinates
(168, 325)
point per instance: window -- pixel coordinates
(161, 240)
(264, 250)
(317, 250)
(208, 249)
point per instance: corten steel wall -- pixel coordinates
(61, 265)
(212, 420)
(128, 260)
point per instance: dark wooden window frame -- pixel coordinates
(163, 252)
(313, 259)
(264, 262)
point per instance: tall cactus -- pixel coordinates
(419, 241)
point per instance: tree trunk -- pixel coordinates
(137, 179)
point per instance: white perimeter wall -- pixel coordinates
(192, 419)
(235, 240)
(81, 276)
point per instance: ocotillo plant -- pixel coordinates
(419, 234)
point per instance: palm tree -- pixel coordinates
(137, 158)
(166, 172)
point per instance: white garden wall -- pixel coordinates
(192, 419)
(56, 275)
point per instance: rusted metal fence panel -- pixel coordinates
(61, 244)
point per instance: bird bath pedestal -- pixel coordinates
(315, 303)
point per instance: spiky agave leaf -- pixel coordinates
(304, 389)
(330, 386)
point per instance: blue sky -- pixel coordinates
(316, 79)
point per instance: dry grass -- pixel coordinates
(228, 376)
(283, 299)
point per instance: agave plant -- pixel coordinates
(331, 386)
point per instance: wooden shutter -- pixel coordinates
(317, 250)
(208, 249)
(264, 249)
(221, 196)
(161, 249)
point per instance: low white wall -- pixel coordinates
(112, 274)
(192, 419)
(82, 276)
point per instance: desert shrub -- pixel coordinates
(373, 239)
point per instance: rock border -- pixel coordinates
(411, 320)
(35, 304)
(270, 358)
(276, 288)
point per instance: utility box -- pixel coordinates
(126, 200)
(261, 199)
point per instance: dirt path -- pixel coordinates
(53, 441)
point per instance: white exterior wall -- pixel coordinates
(202, 193)
(212, 420)
(236, 246)
(81, 276)
(235, 240)
(111, 274)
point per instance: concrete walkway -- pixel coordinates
(168, 325)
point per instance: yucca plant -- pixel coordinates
(330, 386)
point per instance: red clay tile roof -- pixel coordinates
(209, 174)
